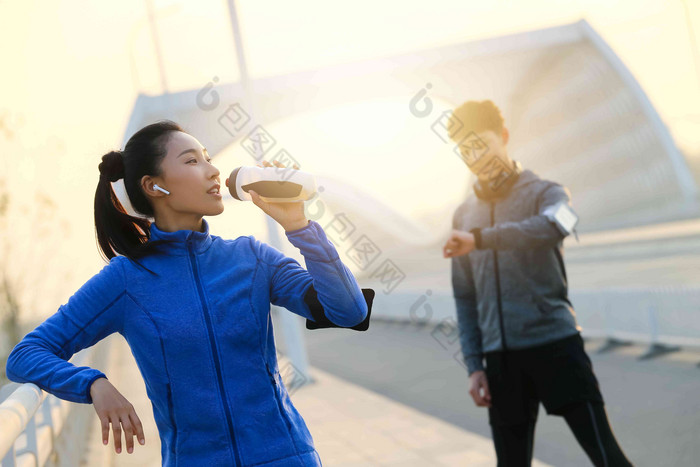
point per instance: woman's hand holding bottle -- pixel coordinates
(112, 407)
(289, 215)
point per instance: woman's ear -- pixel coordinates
(148, 186)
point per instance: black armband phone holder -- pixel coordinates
(321, 321)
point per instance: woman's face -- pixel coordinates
(189, 176)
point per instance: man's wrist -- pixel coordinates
(477, 237)
(474, 363)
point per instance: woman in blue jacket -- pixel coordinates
(195, 311)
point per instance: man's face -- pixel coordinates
(484, 151)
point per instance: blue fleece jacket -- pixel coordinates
(201, 334)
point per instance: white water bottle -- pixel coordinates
(273, 184)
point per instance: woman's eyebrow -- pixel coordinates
(204, 150)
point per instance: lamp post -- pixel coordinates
(291, 323)
(152, 16)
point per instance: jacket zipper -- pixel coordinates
(171, 410)
(217, 363)
(277, 399)
(498, 284)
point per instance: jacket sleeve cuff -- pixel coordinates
(474, 363)
(98, 375)
(308, 223)
(487, 238)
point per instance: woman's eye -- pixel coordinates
(192, 160)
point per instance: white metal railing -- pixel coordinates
(39, 429)
(665, 317)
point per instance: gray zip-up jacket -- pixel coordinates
(511, 292)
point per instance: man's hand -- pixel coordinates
(460, 243)
(112, 407)
(479, 389)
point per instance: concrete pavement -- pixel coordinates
(351, 425)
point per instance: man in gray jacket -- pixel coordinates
(511, 293)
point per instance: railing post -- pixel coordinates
(32, 446)
(655, 349)
(9, 460)
(48, 420)
(611, 342)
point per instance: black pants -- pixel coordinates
(560, 376)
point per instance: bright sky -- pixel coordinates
(72, 69)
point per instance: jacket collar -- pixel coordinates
(179, 240)
(520, 177)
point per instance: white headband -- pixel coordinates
(123, 197)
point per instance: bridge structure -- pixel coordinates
(576, 115)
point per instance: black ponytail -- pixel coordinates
(117, 231)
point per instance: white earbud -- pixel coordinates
(156, 187)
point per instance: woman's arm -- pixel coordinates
(336, 288)
(91, 314)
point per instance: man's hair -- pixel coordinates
(475, 116)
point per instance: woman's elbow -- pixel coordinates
(358, 315)
(12, 367)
